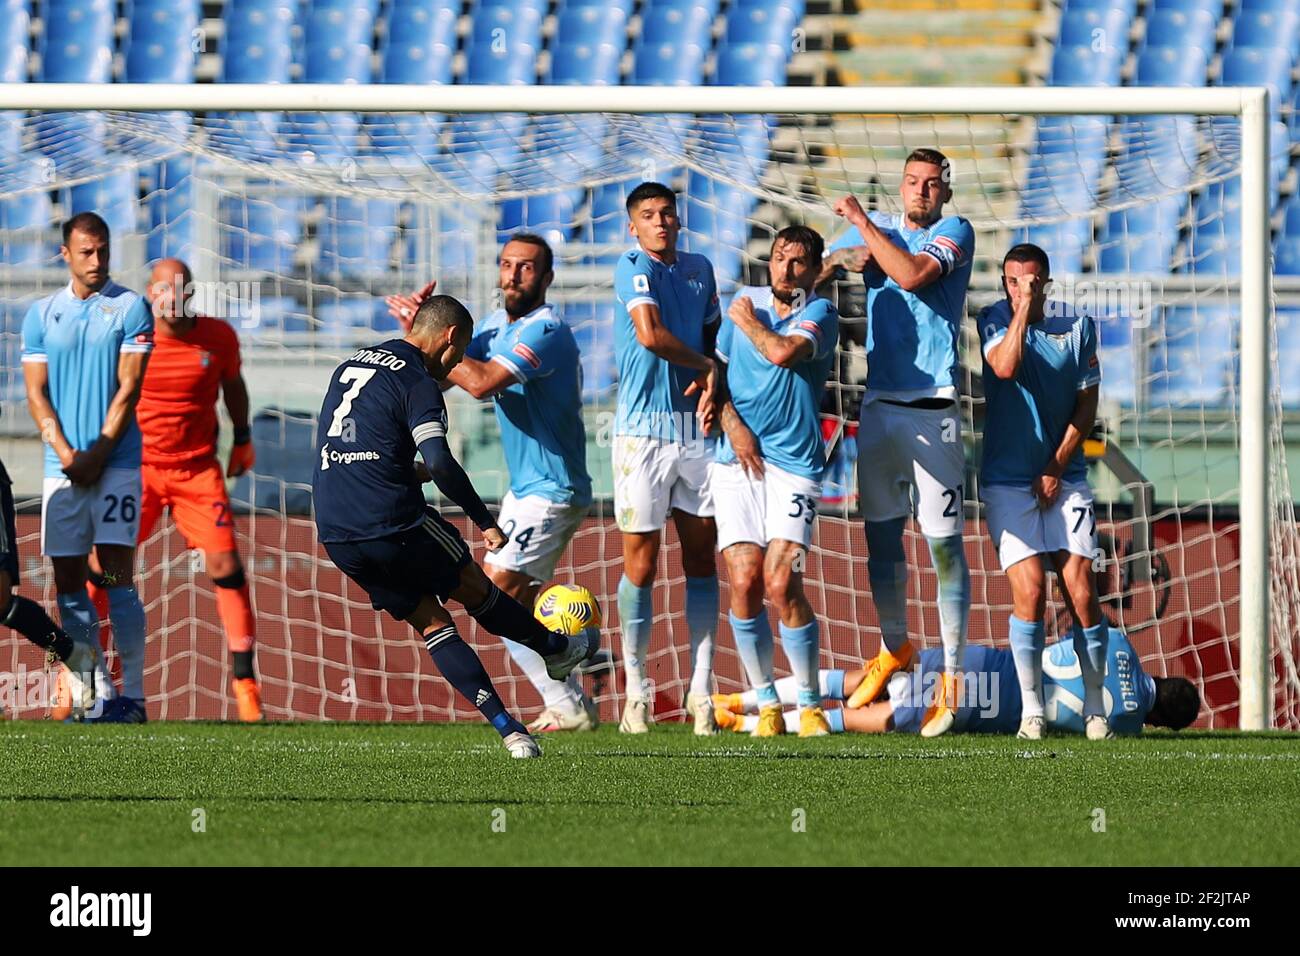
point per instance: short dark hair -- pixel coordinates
(1027, 252)
(439, 312)
(1177, 703)
(807, 237)
(933, 157)
(88, 222)
(649, 191)
(532, 239)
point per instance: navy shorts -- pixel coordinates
(399, 571)
(8, 528)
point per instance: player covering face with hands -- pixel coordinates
(383, 405)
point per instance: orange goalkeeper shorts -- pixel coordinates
(200, 505)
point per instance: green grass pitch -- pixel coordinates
(438, 794)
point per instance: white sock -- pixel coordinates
(556, 694)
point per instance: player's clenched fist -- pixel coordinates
(848, 207)
(494, 538)
(242, 458)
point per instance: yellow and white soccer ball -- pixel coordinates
(568, 609)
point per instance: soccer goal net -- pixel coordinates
(299, 209)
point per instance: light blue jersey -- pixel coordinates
(780, 405)
(992, 701)
(1128, 691)
(540, 415)
(80, 341)
(912, 336)
(652, 399)
(1027, 416)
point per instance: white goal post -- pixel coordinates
(1250, 105)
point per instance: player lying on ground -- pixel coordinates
(916, 266)
(665, 328)
(193, 356)
(1041, 381)
(85, 349)
(776, 347)
(989, 695)
(29, 619)
(526, 358)
(383, 404)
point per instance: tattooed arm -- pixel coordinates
(783, 350)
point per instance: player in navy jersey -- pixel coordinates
(383, 404)
(665, 328)
(526, 359)
(916, 265)
(777, 346)
(85, 349)
(991, 698)
(1041, 381)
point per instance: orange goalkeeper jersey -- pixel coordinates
(178, 402)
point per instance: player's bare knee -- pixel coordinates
(223, 564)
(474, 586)
(69, 574)
(698, 565)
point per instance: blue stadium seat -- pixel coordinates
(159, 41)
(77, 43)
(345, 319)
(1213, 7)
(265, 22)
(416, 62)
(591, 26)
(625, 5)
(1063, 242)
(337, 63)
(25, 218)
(1287, 323)
(1182, 28)
(750, 64)
(1172, 66)
(761, 24)
(1192, 362)
(423, 23)
(275, 314)
(286, 458)
(1268, 28)
(1129, 6)
(740, 143)
(250, 59)
(113, 196)
(1291, 216)
(674, 25)
(608, 219)
(1266, 5)
(1118, 356)
(515, 66)
(1259, 66)
(170, 203)
(716, 223)
(538, 6)
(356, 236)
(1157, 154)
(667, 64)
(585, 64)
(321, 137)
(593, 329)
(11, 133)
(14, 25)
(1140, 238)
(1079, 27)
(253, 137)
(1082, 66)
(339, 25)
(507, 25)
(550, 215)
(1286, 256)
(261, 232)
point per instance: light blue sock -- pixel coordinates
(835, 720)
(832, 684)
(1027, 642)
(949, 557)
(753, 638)
(1090, 647)
(127, 614)
(702, 622)
(801, 651)
(77, 616)
(887, 572)
(636, 615)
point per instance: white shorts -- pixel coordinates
(76, 517)
(911, 461)
(1021, 529)
(777, 506)
(653, 476)
(537, 532)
